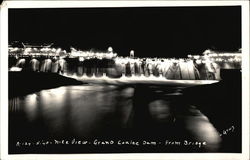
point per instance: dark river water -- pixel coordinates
(75, 109)
(126, 118)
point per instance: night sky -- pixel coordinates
(150, 32)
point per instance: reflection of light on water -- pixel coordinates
(30, 106)
(53, 103)
(53, 98)
(79, 106)
(202, 130)
(160, 110)
(14, 104)
(87, 109)
(57, 92)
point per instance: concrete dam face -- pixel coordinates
(117, 67)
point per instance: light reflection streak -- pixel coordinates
(31, 107)
(83, 111)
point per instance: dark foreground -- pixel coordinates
(49, 113)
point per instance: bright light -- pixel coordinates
(196, 57)
(53, 50)
(81, 59)
(198, 61)
(58, 50)
(110, 49)
(208, 51)
(15, 69)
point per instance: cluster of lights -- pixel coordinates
(89, 55)
(37, 51)
(208, 55)
(220, 57)
(231, 59)
(227, 57)
(15, 50)
(125, 60)
(82, 55)
(223, 54)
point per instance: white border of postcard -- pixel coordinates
(77, 4)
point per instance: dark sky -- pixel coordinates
(156, 31)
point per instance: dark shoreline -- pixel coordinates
(23, 83)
